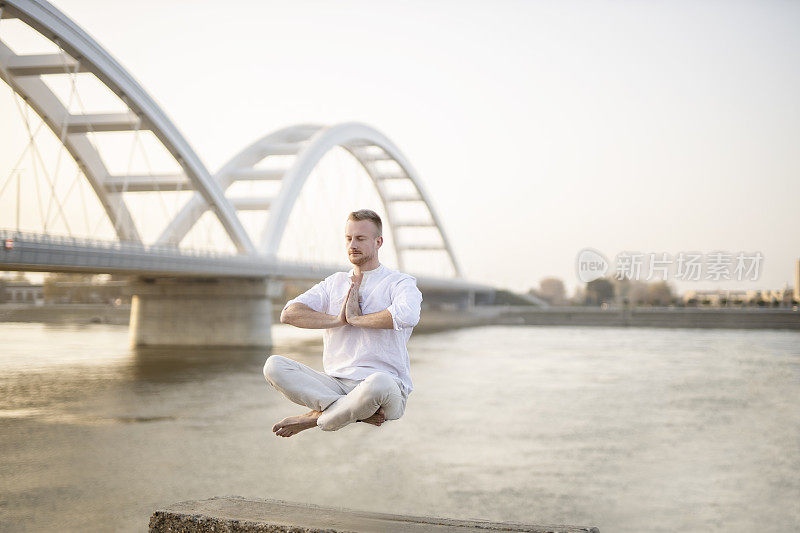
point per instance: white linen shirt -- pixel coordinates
(355, 353)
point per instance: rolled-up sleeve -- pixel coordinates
(316, 298)
(406, 303)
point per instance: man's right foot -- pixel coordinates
(292, 425)
(377, 419)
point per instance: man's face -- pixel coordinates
(362, 241)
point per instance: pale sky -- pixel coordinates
(538, 128)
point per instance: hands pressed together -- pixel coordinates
(351, 307)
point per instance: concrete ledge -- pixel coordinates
(233, 514)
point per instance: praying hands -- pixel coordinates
(352, 307)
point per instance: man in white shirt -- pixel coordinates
(368, 315)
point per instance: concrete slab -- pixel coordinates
(235, 514)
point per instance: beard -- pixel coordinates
(359, 259)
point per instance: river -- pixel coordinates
(626, 429)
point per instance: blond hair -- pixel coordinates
(367, 214)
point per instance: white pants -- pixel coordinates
(341, 400)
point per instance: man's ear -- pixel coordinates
(380, 241)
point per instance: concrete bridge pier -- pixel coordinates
(202, 312)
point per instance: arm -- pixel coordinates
(301, 315)
(406, 304)
(379, 320)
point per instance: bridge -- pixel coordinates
(94, 177)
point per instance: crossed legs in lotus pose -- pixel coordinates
(334, 402)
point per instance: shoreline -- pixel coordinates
(433, 320)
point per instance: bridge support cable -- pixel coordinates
(76, 54)
(63, 132)
(38, 161)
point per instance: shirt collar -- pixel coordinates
(368, 273)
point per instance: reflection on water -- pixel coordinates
(627, 429)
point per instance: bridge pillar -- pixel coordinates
(201, 312)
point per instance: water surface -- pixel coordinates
(626, 429)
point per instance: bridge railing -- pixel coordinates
(20, 250)
(163, 255)
(63, 240)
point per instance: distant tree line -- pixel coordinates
(84, 288)
(611, 290)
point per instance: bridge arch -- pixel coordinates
(79, 53)
(309, 143)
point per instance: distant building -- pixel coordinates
(85, 292)
(797, 280)
(18, 291)
(730, 297)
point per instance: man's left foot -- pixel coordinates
(295, 424)
(376, 419)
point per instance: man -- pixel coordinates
(368, 315)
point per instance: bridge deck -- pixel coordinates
(47, 253)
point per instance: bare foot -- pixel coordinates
(295, 424)
(376, 419)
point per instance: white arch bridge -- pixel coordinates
(94, 163)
